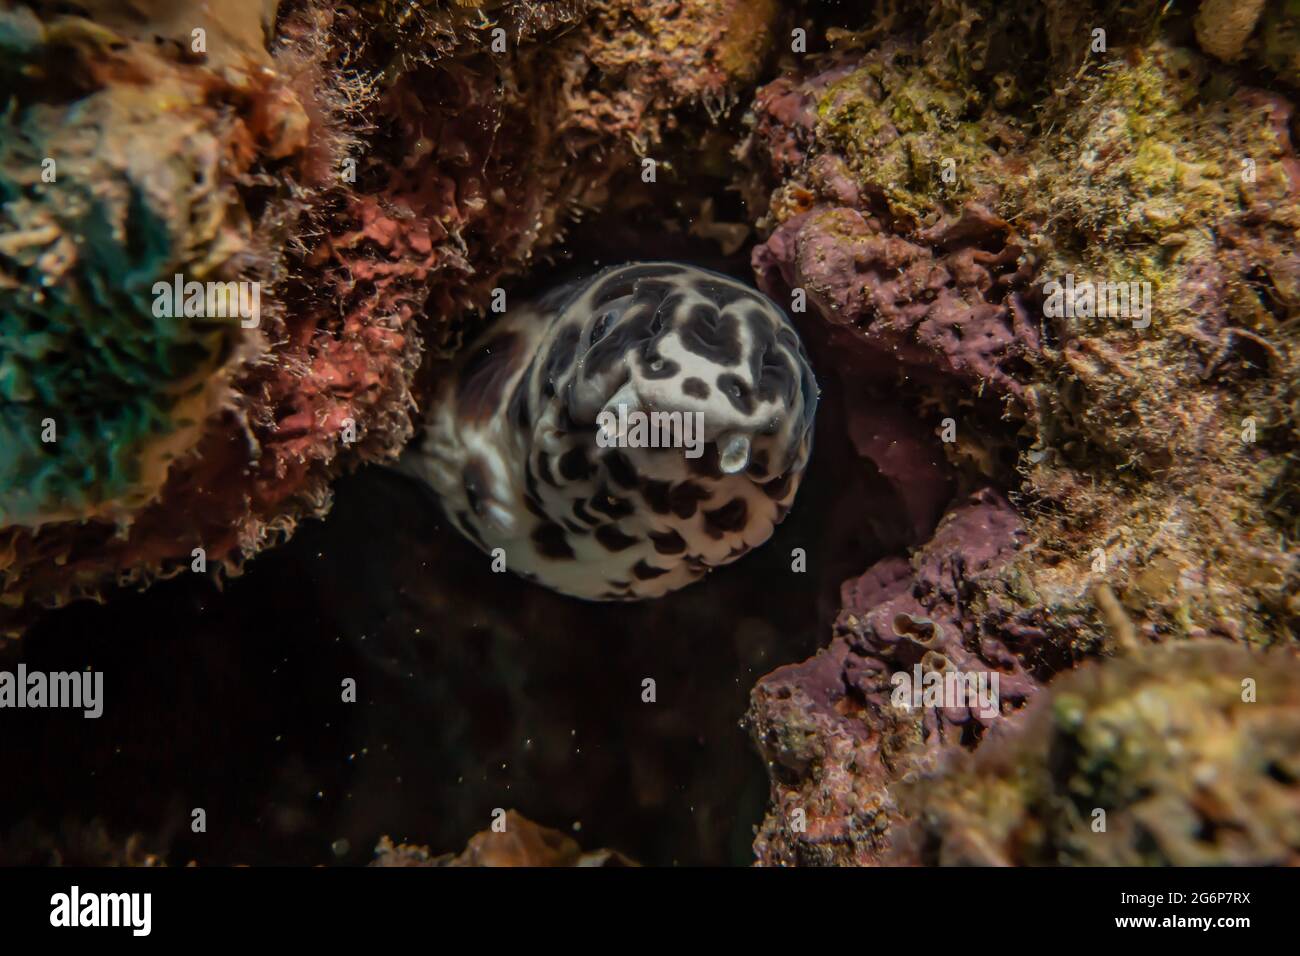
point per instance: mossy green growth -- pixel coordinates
(907, 133)
(1138, 156)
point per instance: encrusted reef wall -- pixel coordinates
(1125, 482)
(377, 168)
(1155, 758)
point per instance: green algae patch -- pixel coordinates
(905, 136)
(98, 393)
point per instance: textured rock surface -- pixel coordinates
(922, 186)
(1191, 750)
(520, 843)
(835, 743)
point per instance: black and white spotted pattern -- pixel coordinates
(510, 443)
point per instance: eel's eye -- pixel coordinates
(602, 325)
(611, 314)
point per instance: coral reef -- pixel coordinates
(925, 202)
(832, 737)
(166, 435)
(1130, 184)
(91, 221)
(1184, 754)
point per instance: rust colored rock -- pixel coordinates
(521, 843)
(1224, 26)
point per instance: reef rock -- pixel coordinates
(520, 843)
(829, 728)
(1174, 755)
(928, 188)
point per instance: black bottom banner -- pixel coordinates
(879, 905)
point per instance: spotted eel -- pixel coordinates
(533, 445)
